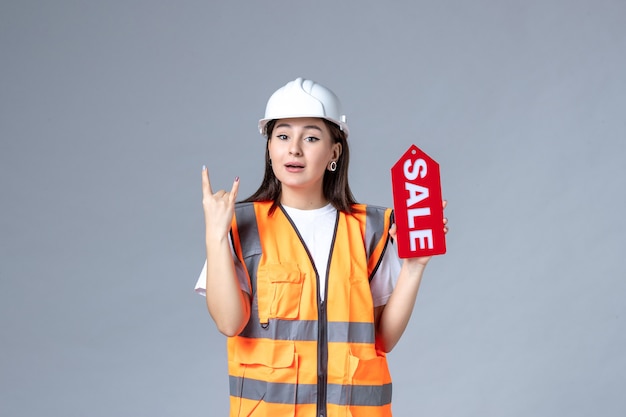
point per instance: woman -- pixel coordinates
(300, 277)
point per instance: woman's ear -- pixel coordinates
(337, 149)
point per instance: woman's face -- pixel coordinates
(301, 150)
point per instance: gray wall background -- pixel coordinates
(109, 109)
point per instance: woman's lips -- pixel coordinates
(294, 167)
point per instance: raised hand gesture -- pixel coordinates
(228, 304)
(219, 207)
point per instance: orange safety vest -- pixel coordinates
(300, 355)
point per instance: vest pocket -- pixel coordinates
(367, 371)
(370, 395)
(268, 379)
(279, 291)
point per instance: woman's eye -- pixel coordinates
(282, 137)
(311, 139)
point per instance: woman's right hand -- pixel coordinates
(228, 304)
(219, 207)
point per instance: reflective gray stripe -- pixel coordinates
(374, 227)
(282, 393)
(249, 238)
(271, 392)
(338, 332)
(280, 329)
(371, 395)
(374, 231)
(351, 332)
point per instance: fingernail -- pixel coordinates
(236, 179)
(204, 167)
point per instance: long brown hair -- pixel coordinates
(335, 185)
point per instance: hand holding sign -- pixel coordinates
(418, 205)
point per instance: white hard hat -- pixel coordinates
(304, 98)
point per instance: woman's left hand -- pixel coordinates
(422, 260)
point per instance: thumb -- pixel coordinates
(393, 231)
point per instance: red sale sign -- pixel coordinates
(418, 205)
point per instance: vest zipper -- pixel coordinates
(322, 381)
(322, 360)
(322, 320)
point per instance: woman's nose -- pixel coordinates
(294, 147)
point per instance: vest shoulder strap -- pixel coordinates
(378, 221)
(246, 240)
